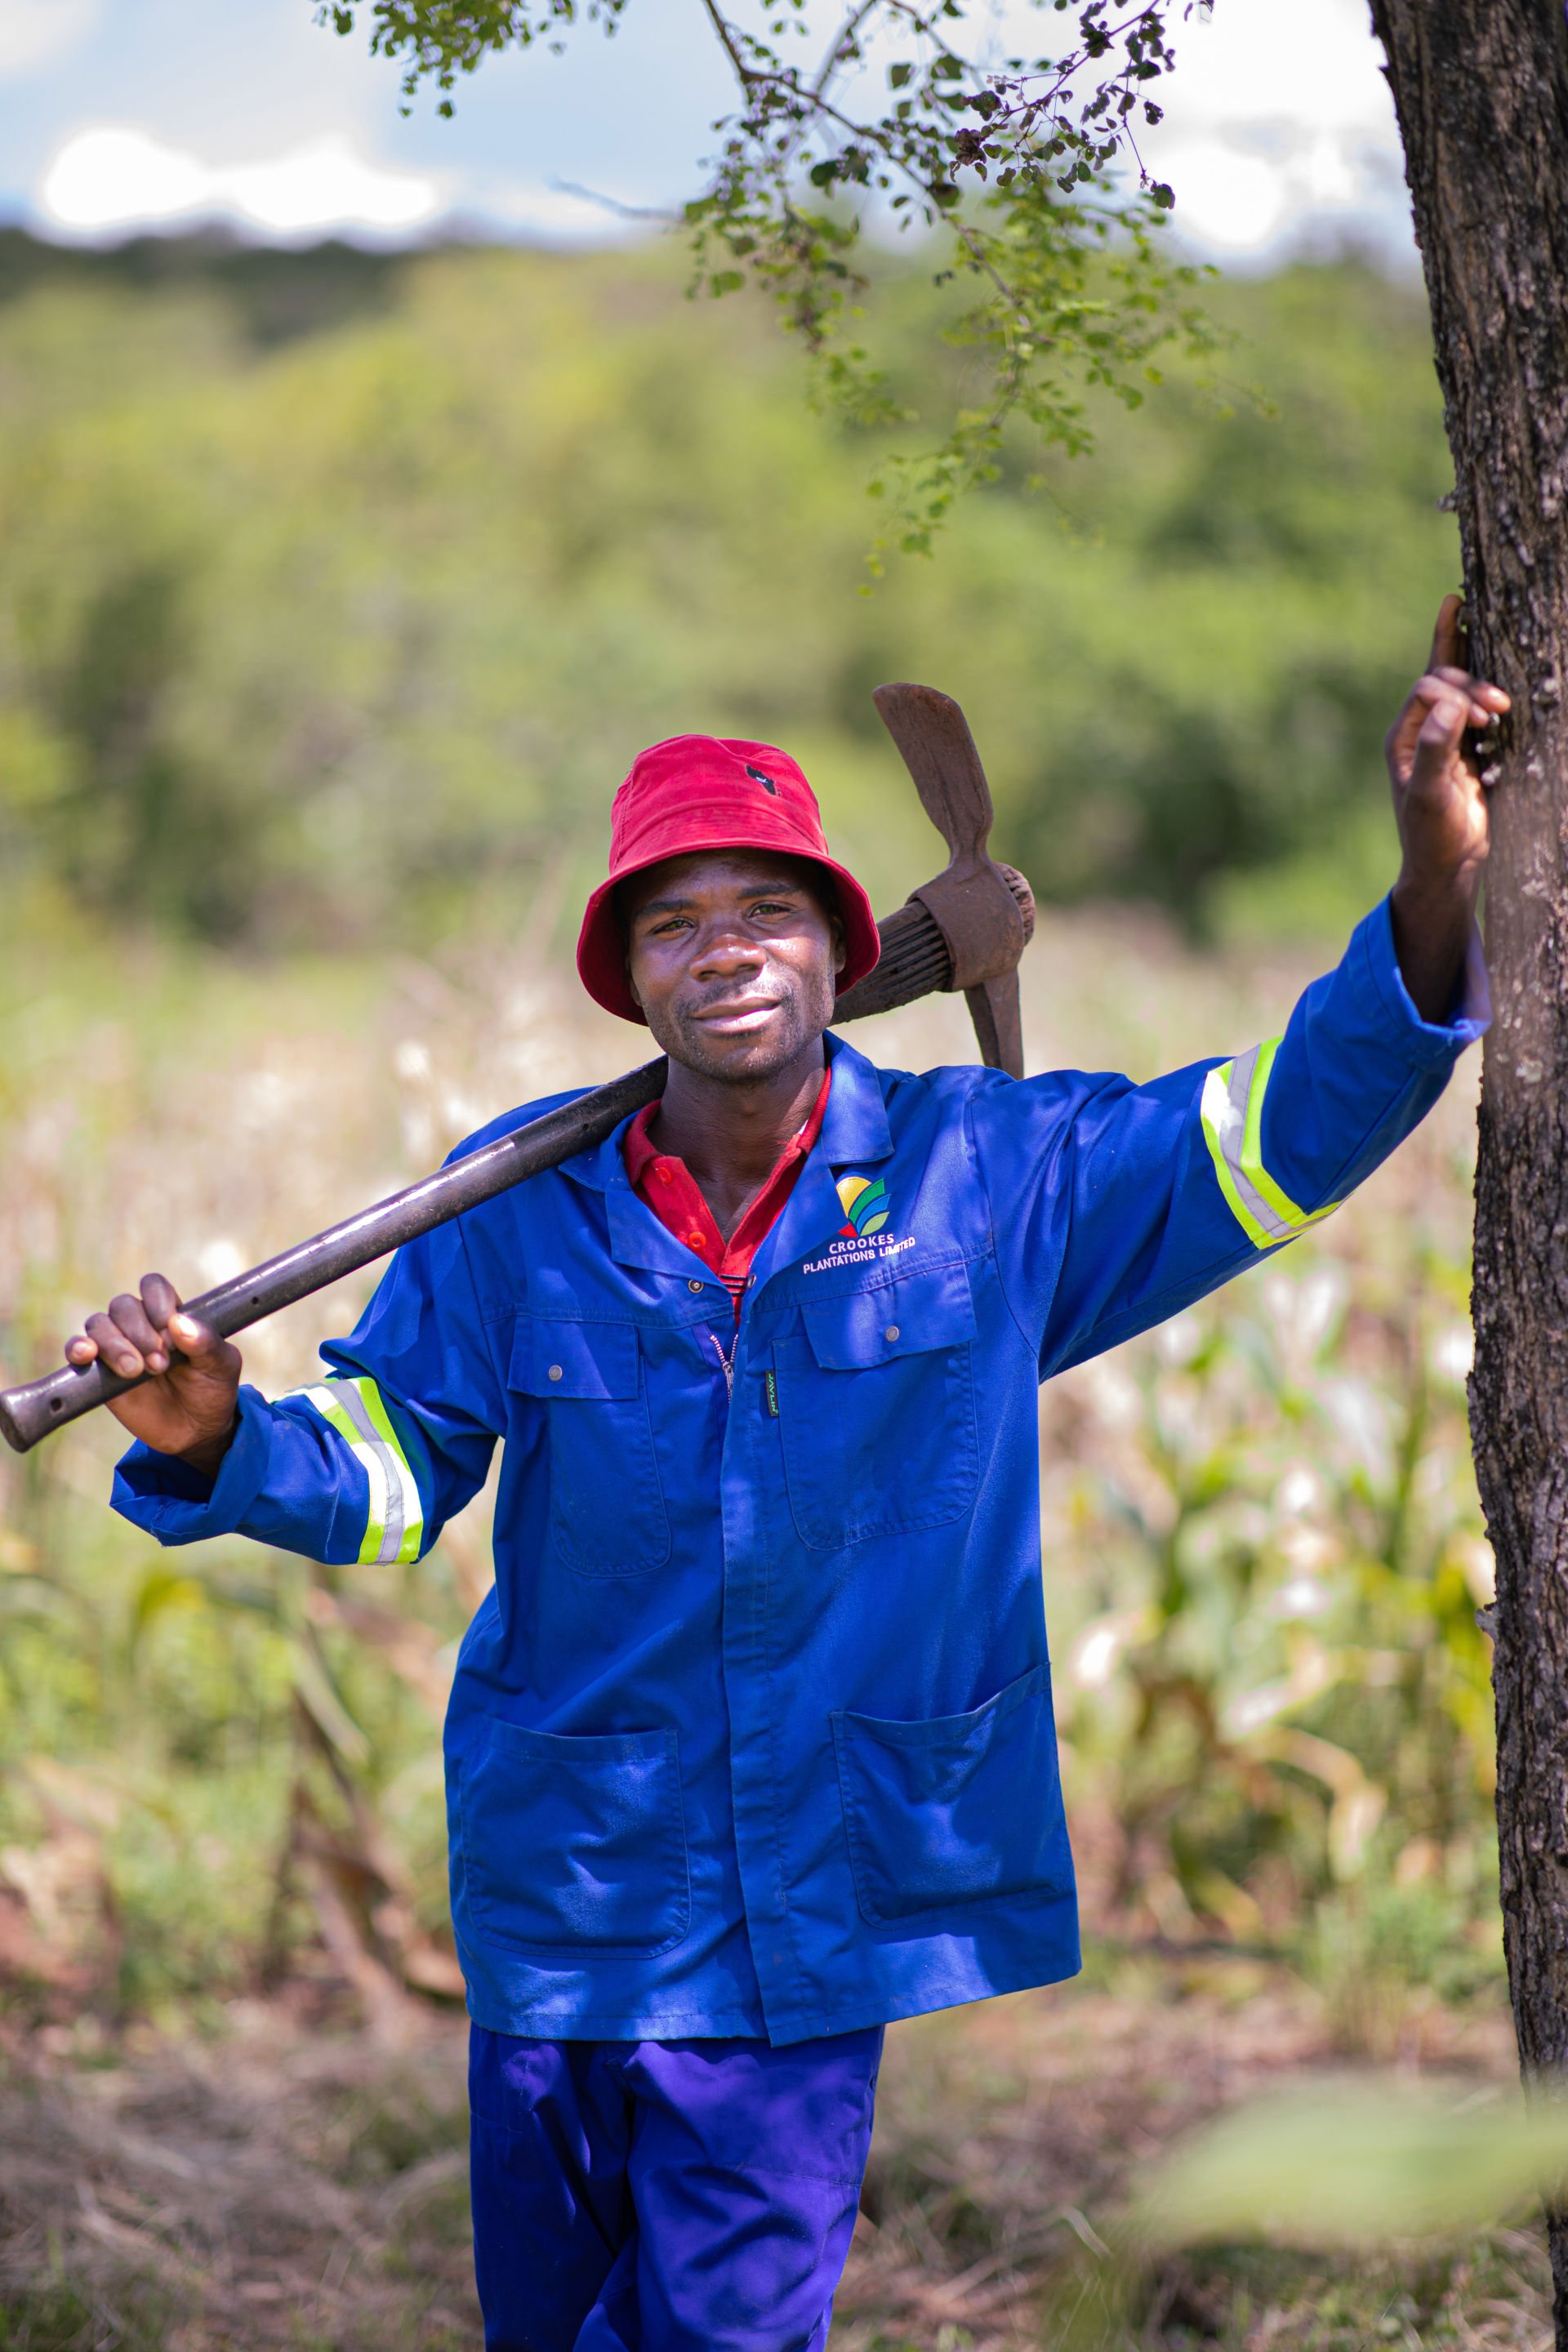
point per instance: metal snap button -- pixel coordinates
(694, 1283)
(555, 1371)
(892, 1332)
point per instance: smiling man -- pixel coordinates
(749, 1749)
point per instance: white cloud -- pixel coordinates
(326, 184)
(115, 177)
(101, 178)
(35, 32)
(1280, 128)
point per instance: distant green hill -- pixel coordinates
(338, 590)
(275, 292)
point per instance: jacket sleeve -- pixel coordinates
(368, 1464)
(1115, 1205)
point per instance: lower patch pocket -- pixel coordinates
(962, 1809)
(575, 1842)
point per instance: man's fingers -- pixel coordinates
(1450, 646)
(1445, 722)
(1440, 690)
(118, 1352)
(1479, 690)
(1442, 732)
(143, 1334)
(1485, 700)
(159, 1299)
(132, 1318)
(199, 1343)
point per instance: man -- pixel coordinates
(751, 1750)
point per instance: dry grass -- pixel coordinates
(1007, 2136)
(271, 2189)
(282, 2187)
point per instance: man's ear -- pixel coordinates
(840, 952)
(631, 989)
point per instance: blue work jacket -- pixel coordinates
(754, 1735)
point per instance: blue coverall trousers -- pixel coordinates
(666, 2196)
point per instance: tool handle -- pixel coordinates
(917, 959)
(30, 1412)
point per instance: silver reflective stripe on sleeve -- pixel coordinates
(1232, 1113)
(394, 1523)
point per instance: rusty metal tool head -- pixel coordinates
(972, 901)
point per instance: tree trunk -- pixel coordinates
(1481, 91)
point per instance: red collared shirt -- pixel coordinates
(672, 1192)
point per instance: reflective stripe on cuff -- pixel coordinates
(1233, 1130)
(353, 1409)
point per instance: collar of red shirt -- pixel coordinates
(677, 1199)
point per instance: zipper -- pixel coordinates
(727, 1360)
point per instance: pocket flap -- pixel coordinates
(575, 1843)
(902, 1318)
(956, 1809)
(573, 1359)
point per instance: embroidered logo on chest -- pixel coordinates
(866, 1206)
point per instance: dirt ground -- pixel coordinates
(276, 2186)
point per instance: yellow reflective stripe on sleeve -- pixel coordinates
(1232, 1114)
(410, 1513)
(395, 1522)
(1218, 1117)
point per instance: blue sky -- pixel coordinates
(121, 113)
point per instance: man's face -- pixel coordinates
(732, 958)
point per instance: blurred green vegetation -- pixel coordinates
(337, 592)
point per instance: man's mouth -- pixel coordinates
(736, 1016)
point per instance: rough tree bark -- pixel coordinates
(1482, 91)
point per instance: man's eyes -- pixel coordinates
(667, 925)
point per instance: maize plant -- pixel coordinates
(1261, 1525)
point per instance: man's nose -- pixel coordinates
(723, 952)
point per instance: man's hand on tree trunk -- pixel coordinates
(1440, 808)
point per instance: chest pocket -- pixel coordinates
(606, 1505)
(877, 1410)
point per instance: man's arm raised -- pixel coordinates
(1115, 1205)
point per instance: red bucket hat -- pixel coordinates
(703, 791)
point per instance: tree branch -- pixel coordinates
(721, 26)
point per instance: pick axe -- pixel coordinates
(965, 930)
